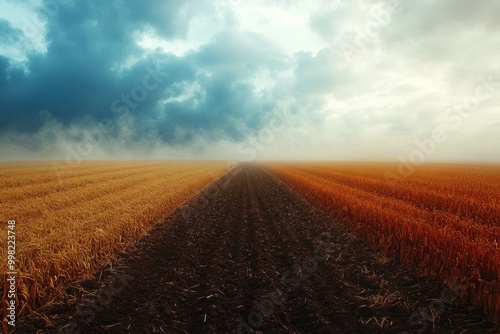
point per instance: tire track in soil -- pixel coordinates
(208, 273)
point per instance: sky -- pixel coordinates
(390, 80)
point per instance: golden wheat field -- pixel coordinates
(72, 218)
(441, 220)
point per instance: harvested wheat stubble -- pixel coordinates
(255, 257)
(73, 220)
(443, 220)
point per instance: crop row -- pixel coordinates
(66, 230)
(436, 240)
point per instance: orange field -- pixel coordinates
(72, 219)
(442, 220)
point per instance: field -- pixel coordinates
(442, 220)
(247, 254)
(73, 219)
(192, 247)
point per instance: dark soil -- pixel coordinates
(249, 256)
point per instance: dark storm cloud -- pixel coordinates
(84, 72)
(225, 102)
(167, 18)
(9, 36)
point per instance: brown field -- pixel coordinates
(247, 255)
(441, 220)
(73, 218)
(276, 248)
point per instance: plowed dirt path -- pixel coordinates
(248, 255)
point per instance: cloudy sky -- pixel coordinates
(262, 79)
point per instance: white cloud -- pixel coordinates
(286, 25)
(364, 80)
(24, 17)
